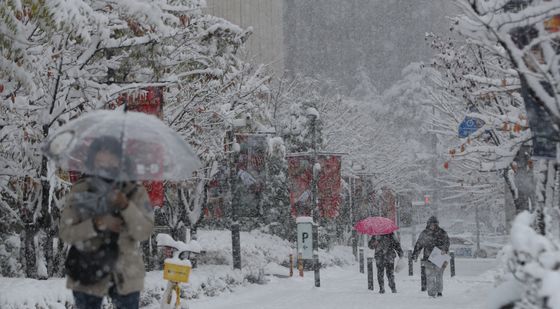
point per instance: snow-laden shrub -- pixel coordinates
(9, 251)
(534, 264)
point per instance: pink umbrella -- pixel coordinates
(375, 226)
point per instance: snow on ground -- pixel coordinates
(214, 284)
(347, 288)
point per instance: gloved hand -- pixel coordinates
(118, 199)
(108, 223)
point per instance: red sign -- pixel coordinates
(300, 177)
(148, 101)
(251, 172)
(328, 185)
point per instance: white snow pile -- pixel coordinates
(262, 255)
(535, 262)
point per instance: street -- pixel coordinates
(347, 288)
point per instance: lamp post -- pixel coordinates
(312, 114)
(235, 237)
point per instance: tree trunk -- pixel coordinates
(28, 248)
(46, 222)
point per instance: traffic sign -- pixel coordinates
(469, 126)
(305, 239)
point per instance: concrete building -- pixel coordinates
(266, 45)
(336, 39)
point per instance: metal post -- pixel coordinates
(361, 260)
(317, 267)
(353, 219)
(235, 237)
(300, 264)
(477, 221)
(422, 277)
(452, 264)
(410, 265)
(291, 265)
(315, 205)
(370, 273)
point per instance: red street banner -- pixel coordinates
(217, 190)
(251, 172)
(148, 101)
(328, 184)
(387, 204)
(300, 177)
(364, 197)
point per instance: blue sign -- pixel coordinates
(469, 126)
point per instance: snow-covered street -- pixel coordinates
(186, 153)
(347, 288)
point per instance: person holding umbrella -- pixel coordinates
(432, 237)
(108, 212)
(387, 247)
(104, 221)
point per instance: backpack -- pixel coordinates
(90, 267)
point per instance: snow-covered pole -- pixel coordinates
(313, 115)
(235, 237)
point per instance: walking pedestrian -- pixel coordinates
(387, 247)
(432, 237)
(104, 221)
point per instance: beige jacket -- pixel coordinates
(129, 272)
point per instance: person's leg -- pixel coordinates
(439, 281)
(390, 269)
(86, 301)
(380, 274)
(431, 279)
(128, 301)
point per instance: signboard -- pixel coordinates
(251, 172)
(387, 204)
(300, 178)
(469, 125)
(300, 175)
(364, 197)
(329, 185)
(305, 239)
(148, 101)
(218, 188)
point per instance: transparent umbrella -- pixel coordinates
(148, 149)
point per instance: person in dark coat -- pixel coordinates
(387, 247)
(433, 236)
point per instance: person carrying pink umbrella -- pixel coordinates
(386, 246)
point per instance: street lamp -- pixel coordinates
(313, 115)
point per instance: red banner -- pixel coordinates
(328, 185)
(300, 177)
(387, 204)
(251, 172)
(148, 101)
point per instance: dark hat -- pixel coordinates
(103, 143)
(433, 220)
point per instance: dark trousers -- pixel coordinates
(87, 301)
(385, 266)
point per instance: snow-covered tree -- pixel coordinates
(526, 34)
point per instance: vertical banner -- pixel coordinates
(329, 185)
(388, 204)
(300, 175)
(365, 196)
(217, 190)
(148, 101)
(251, 172)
